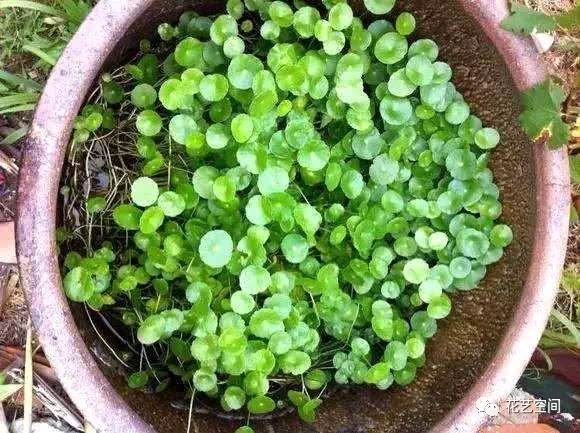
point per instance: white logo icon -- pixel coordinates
(487, 406)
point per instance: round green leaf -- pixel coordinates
(273, 180)
(181, 126)
(171, 203)
(254, 279)
(151, 220)
(216, 248)
(127, 216)
(314, 155)
(295, 248)
(144, 191)
(79, 285)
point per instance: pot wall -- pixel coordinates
(480, 350)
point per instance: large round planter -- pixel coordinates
(480, 350)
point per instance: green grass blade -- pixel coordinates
(18, 99)
(19, 109)
(574, 331)
(75, 10)
(14, 136)
(6, 391)
(25, 4)
(552, 340)
(40, 54)
(17, 81)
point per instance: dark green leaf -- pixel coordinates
(541, 115)
(570, 19)
(575, 168)
(526, 20)
(138, 380)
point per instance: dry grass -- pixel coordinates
(14, 314)
(103, 166)
(550, 6)
(563, 328)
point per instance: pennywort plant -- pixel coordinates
(333, 196)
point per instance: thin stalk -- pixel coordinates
(31, 5)
(569, 325)
(28, 380)
(40, 54)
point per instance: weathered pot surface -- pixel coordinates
(480, 350)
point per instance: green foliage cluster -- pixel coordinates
(524, 19)
(336, 192)
(542, 103)
(39, 28)
(542, 114)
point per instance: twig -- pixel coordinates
(48, 397)
(116, 334)
(190, 417)
(7, 164)
(104, 340)
(3, 423)
(7, 291)
(56, 405)
(28, 380)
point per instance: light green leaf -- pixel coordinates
(6, 391)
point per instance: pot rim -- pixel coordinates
(38, 189)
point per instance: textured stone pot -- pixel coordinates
(481, 349)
